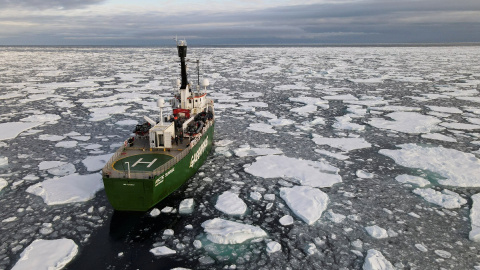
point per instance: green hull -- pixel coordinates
(130, 194)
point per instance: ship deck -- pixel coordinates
(144, 162)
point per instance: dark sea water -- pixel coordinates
(74, 106)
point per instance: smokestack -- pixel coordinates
(182, 53)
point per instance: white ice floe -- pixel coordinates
(229, 203)
(222, 231)
(68, 189)
(305, 109)
(376, 261)
(458, 168)
(306, 172)
(127, 122)
(3, 183)
(445, 109)
(421, 247)
(364, 174)
(266, 114)
(447, 199)
(376, 232)
(3, 161)
(273, 247)
(344, 122)
(286, 220)
(95, 163)
(67, 144)
(345, 144)
(280, 122)
(439, 137)
(47, 254)
(255, 195)
(102, 113)
(307, 203)
(410, 179)
(247, 151)
(341, 97)
(52, 138)
(407, 122)
(162, 251)
(330, 154)
(262, 127)
(334, 217)
(155, 212)
(186, 206)
(13, 129)
(461, 126)
(474, 234)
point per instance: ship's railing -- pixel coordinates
(108, 170)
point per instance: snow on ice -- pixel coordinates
(307, 203)
(376, 261)
(475, 218)
(47, 254)
(221, 231)
(68, 189)
(306, 172)
(456, 167)
(447, 199)
(229, 203)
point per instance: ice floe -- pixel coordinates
(162, 251)
(3, 183)
(47, 254)
(246, 150)
(376, 261)
(345, 144)
(439, 137)
(286, 220)
(307, 203)
(221, 231)
(411, 179)
(68, 189)
(447, 199)
(273, 247)
(229, 203)
(95, 163)
(186, 206)
(456, 167)
(262, 127)
(407, 122)
(474, 234)
(306, 172)
(376, 232)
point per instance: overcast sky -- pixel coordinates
(212, 22)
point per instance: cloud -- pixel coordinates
(47, 4)
(325, 22)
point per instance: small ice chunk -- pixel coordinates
(197, 244)
(262, 127)
(337, 218)
(376, 261)
(162, 251)
(438, 137)
(231, 204)
(47, 254)
(376, 232)
(155, 212)
(447, 199)
(3, 183)
(269, 197)
(273, 247)
(167, 209)
(410, 179)
(255, 195)
(168, 232)
(306, 202)
(67, 144)
(408, 122)
(286, 220)
(10, 219)
(421, 247)
(68, 189)
(364, 174)
(222, 231)
(247, 151)
(96, 163)
(186, 206)
(3, 161)
(442, 253)
(475, 218)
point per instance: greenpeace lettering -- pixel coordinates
(199, 152)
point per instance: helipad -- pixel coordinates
(142, 162)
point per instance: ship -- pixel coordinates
(162, 155)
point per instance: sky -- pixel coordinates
(237, 22)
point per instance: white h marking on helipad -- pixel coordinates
(144, 162)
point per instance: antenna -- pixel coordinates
(198, 73)
(161, 105)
